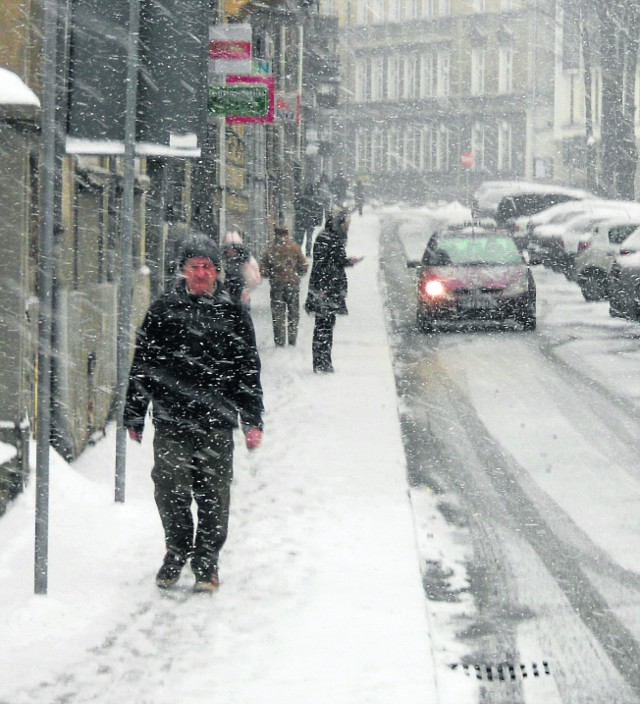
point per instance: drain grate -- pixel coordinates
(503, 672)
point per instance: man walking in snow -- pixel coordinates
(197, 364)
(283, 263)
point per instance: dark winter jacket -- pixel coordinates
(233, 269)
(196, 361)
(328, 279)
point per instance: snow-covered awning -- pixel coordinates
(180, 146)
(14, 91)
(17, 100)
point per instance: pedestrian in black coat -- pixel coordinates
(196, 363)
(327, 293)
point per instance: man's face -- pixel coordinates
(200, 274)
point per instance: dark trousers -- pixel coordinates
(285, 313)
(193, 465)
(323, 342)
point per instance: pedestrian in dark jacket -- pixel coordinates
(196, 363)
(283, 263)
(328, 286)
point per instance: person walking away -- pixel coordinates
(308, 216)
(283, 263)
(197, 365)
(358, 196)
(241, 270)
(327, 293)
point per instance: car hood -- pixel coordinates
(474, 277)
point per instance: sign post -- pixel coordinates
(466, 160)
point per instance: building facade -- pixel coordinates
(428, 81)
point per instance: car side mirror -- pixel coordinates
(413, 264)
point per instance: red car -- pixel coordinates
(469, 274)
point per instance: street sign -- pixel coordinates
(230, 48)
(288, 107)
(466, 160)
(261, 67)
(243, 99)
(239, 100)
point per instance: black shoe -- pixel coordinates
(323, 369)
(208, 584)
(169, 573)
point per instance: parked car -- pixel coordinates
(559, 244)
(525, 226)
(597, 253)
(488, 195)
(516, 205)
(469, 274)
(624, 280)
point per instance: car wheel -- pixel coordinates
(593, 284)
(529, 323)
(424, 324)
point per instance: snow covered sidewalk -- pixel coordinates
(321, 596)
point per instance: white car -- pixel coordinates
(560, 243)
(597, 254)
(558, 215)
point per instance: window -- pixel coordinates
(477, 70)
(411, 9)
(413, 76)
(428, 77)
(443, 74)
(442, 149)
(444, 8)
(377, 11)
(394, 10)
(377, 78)
(378, 151)
(477, 145)
(402, 78)
(505, 145)
(505, 69)
(362, 7)
(479, 5)
(428, 8)
(392, 77)
(507, 5)
(428, 156)
(411, 141)
(392, 151)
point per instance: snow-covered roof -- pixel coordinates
(14, 91)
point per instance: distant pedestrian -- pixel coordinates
(309, 214)
(283, 263)
(197, 364)
(328, 286)
(241, 270)
(359, 195)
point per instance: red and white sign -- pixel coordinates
(230, 48)
(467, 160)
(288, 107)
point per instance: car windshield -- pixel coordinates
(473, 251)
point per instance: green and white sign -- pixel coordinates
(239, 100)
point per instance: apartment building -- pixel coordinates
(430, 82)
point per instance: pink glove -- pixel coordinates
(253, 438)
(135, 435)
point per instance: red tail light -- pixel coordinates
(584, 245)
(626, 252)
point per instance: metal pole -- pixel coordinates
(300, 74)
(126, 276)
(222, 152)
(45, 289)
